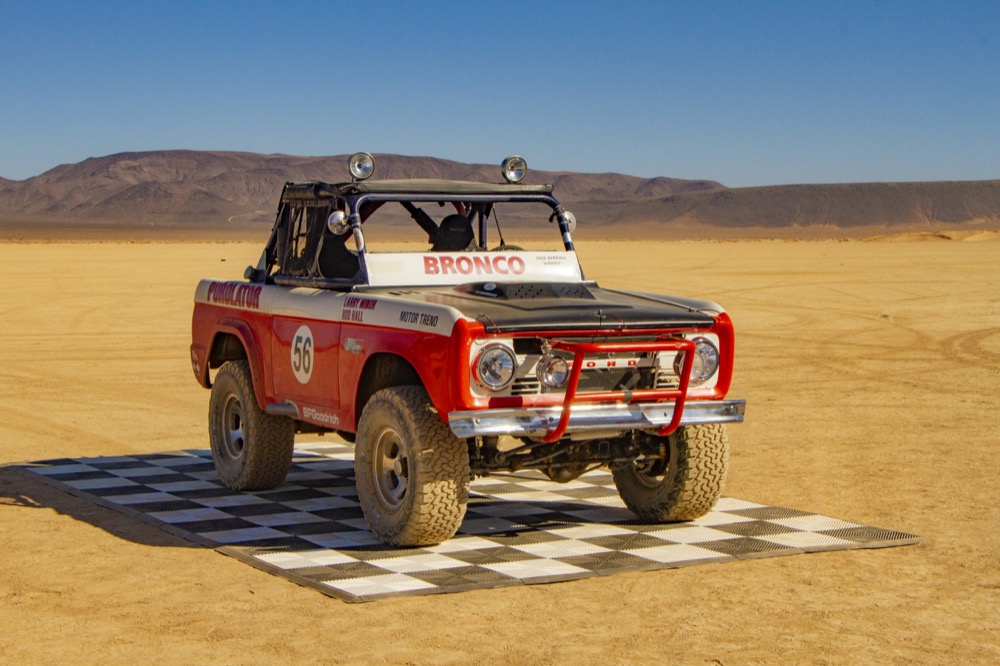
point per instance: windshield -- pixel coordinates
(423, 239)
(453, 226)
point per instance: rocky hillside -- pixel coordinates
(911, 205)
(221, 189)
(215, 187)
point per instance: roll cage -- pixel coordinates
(301, 242)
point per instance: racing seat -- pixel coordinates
(336, 260)
(454, 235)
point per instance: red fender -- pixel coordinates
(244, 333)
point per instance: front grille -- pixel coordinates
(597, 380)
(603, 371)
(526, 386)
(666, 379)
(615, 380)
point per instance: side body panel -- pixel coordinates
(308, 347)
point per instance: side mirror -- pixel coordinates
(570, 220)
(337, 223)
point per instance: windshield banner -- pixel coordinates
(444, 268)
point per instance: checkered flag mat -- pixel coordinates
(519, 528)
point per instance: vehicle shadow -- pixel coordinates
(27, 491)
(150, 499)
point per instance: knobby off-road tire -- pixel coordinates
(252, 449)
(412, 471)
(684, 487)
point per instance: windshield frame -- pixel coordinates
(476, 199)
(355, 202)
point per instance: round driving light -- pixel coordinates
(514, 169)
(337, 223)
(495, 367)
(553, 371)
(362, 165)
(705, 363)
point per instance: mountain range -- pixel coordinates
(213, 189)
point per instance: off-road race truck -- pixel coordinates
(457, 355)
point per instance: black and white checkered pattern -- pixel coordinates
(519, 528)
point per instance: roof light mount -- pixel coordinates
(361, 165)
(514, 169)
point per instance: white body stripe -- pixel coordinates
(325, 305)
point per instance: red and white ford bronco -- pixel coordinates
(457, 356)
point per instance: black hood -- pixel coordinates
(536, 306)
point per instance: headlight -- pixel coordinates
(362, 165)
(514, 169)
(495, 366)
(705, 363)
(553, 371)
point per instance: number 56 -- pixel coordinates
(302, 354)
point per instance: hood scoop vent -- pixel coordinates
(520, 291)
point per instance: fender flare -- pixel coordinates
(244, 333)
(426, 360)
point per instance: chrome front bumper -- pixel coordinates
(537, 421)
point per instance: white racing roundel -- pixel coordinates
(303, 354)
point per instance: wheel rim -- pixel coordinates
(392, 473)
(654, 472)
(233, 427)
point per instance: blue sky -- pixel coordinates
(743, 92)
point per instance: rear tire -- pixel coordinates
(251, 449)
(412, 471)
(686, 485)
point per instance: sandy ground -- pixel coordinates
(872, 371)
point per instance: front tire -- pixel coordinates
(684, 486)
(251, 449)
(412, 471)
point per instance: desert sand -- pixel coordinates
(871, 371)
